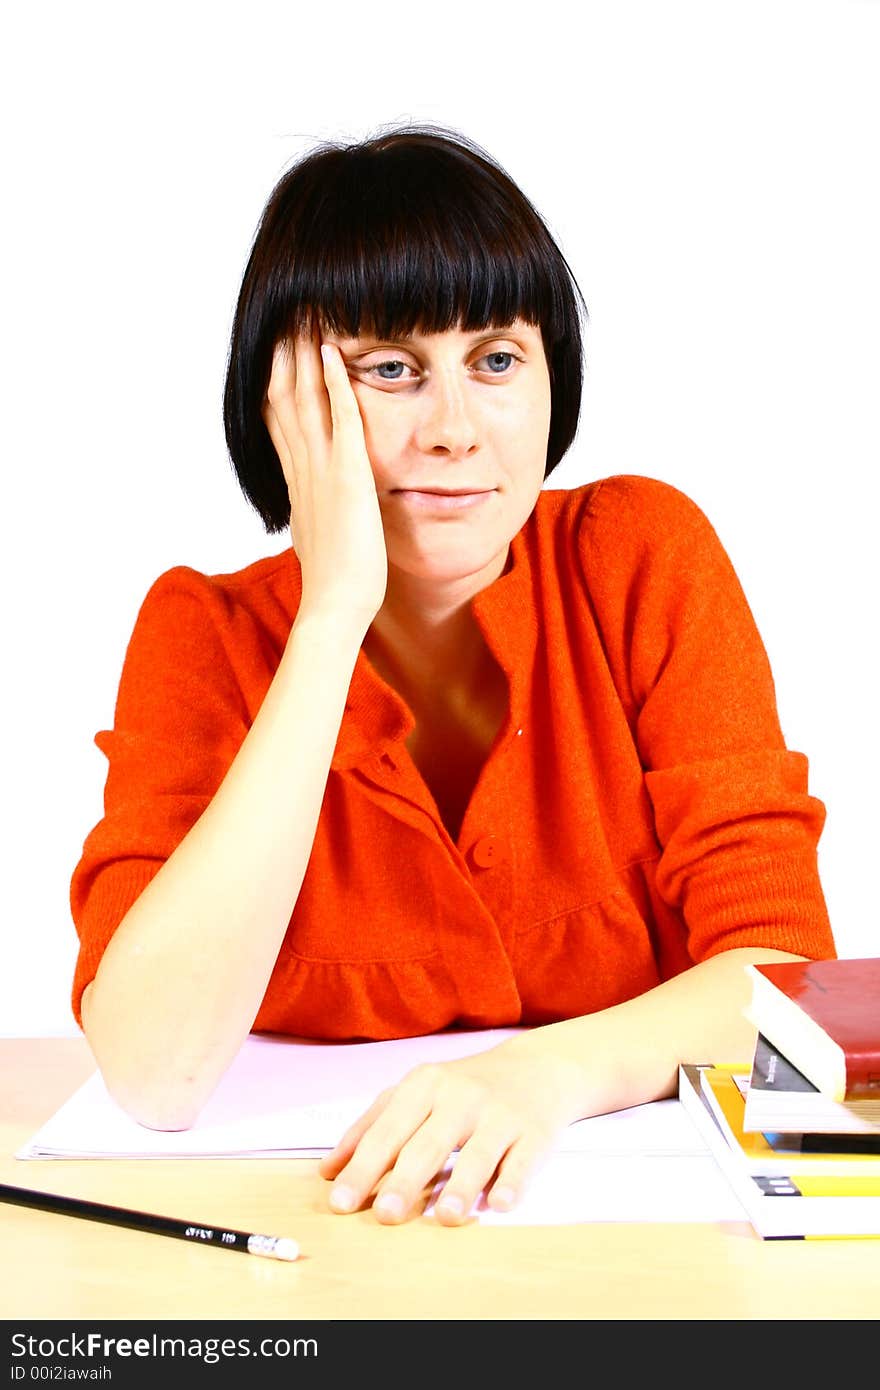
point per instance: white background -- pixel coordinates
(710, 171)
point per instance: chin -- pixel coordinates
(445, 568)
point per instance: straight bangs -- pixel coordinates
(421, 260)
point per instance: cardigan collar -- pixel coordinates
(377, 717)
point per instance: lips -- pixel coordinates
(443, 500)
(446, 491)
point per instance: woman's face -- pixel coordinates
(467, 412)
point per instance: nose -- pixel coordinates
(447, 424)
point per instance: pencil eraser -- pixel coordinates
(275, 1247)
(286, 1249)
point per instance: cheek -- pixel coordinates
(384, 431)
(525, 422)
(540, 405)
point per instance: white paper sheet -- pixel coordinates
(594, 1186)
(284, 1098)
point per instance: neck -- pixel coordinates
(425, 640)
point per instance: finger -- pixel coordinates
(332, 1162)
(282, 378)
(345, 412)
(519, 1166)
(481, 1158)
(505, 1187)
(310, 390)
(407, 1108)
(419, 1161)
(279, 409)
(282, 448)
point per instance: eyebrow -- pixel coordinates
(479, 336)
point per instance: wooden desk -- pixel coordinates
(353, 1268)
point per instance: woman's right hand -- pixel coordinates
(314, 421)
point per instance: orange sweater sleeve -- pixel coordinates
(180, 718)
(737, 826)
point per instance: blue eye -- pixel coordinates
(379, 369)
(499, 361)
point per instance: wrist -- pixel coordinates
(560, 1050)
(331, 630)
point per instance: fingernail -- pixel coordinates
(502, 1198)
(389, 1204)
(342, 1199)
(451, 1205)
(326, 352)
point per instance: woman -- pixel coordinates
(472, 753)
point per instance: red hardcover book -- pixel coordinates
(824, 1015)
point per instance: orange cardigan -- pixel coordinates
(638, 811)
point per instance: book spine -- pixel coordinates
(862, 1076)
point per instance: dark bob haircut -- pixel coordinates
(414, 230)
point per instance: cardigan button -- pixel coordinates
(486, 852)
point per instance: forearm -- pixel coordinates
(184, 974)
(629, 1054)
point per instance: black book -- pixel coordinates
(817, 1142)
(781, 1100)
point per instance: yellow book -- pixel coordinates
(798, 1200)
(725, 1096)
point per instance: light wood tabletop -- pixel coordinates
(353, 1268)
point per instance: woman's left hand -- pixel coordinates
(503, 1109)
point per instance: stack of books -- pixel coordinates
(798, 1132)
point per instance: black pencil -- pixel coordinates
(276, 1247)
